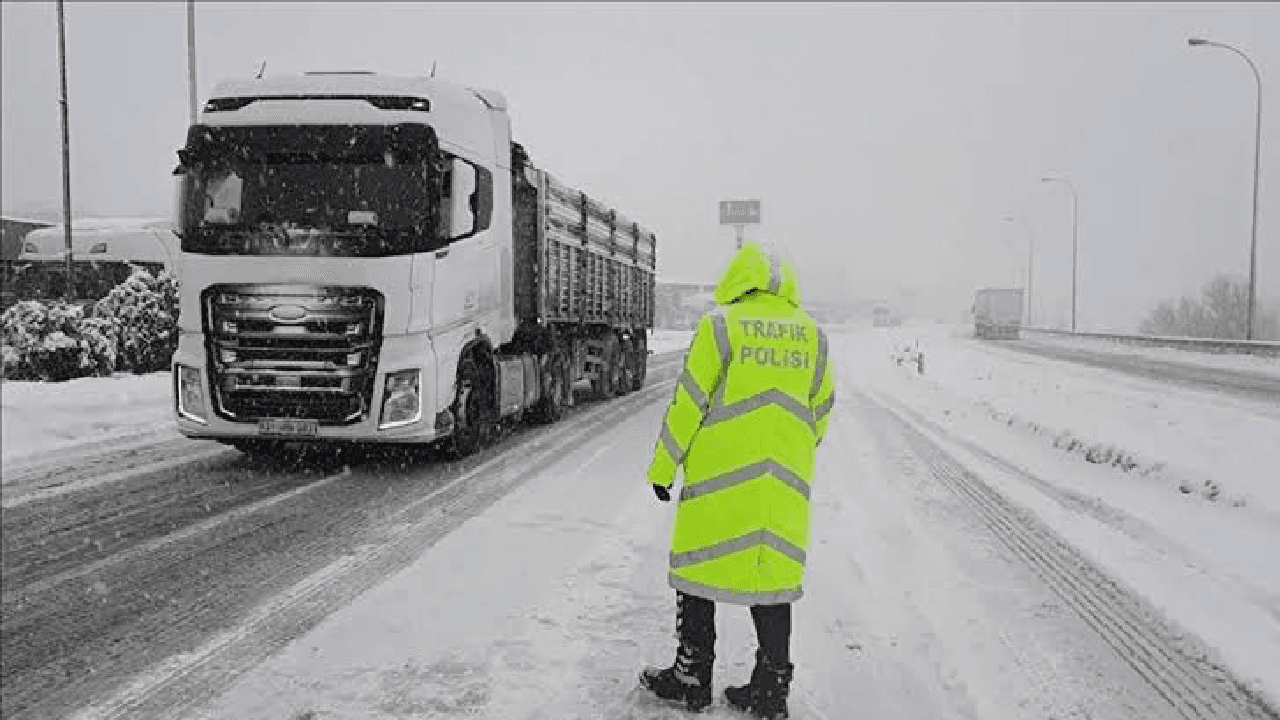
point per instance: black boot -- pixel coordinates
(765, 696)
(687, 681)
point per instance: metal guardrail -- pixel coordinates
(1263, 348)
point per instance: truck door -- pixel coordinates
(465, 282)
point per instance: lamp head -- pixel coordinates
(1197, 41)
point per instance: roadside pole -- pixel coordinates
(66, 153)
(191, 61)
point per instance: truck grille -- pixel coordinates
(292, 351)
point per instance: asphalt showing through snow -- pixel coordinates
(1237, 383)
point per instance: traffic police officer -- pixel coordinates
(749, 411)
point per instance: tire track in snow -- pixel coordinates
(61, 475)
(1195, 689)
(181, 683)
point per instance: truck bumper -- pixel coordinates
(398, 354)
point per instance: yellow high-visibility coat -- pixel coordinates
(749, 411)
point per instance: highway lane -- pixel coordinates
(1255, 386)
(108, 579)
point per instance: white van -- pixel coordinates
(104, 252)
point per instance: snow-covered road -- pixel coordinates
(548, 604)
(914, 609)
(1001, 537)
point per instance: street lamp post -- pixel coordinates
(70, 290)
(191, 60)
(1075, 245)
(1030, 250)
(1257, 145)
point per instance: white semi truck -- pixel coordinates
(997, 313)
(372, 259)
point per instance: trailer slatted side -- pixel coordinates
(597, 265)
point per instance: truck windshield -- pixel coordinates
(323, 190)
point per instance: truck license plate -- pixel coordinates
(287, 426)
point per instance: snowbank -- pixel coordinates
(1173, 491)
(43, 417)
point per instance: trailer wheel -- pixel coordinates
(472, 411)
(555, 383)
(626, 368)
(608, 380)
(640, 359)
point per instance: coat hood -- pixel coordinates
(755, 268)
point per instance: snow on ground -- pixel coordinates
(661, 341)
(1206, 558)
(1219, 447)
(38, 418)
(905, 617)
(549, 603)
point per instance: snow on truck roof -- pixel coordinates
(471, 118)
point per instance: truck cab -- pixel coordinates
(342, 239)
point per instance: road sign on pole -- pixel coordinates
(739, 214)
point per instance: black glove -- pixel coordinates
(663, 494)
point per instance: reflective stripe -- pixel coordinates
(820, 369)
(746, 474)
(721, 327)
(738, 544)
(768, 597)
(669, 440)
(723, 413)
(822, 410)
(695, 392)
(775, 274)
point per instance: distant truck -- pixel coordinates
(997, 313)
(882, 316)
(372, 259)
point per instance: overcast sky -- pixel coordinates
(886, 142)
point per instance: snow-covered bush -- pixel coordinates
(144, 313)
(53, 342)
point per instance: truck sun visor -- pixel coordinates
(382, 102)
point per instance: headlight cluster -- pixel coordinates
(401, 399)
(190, 394)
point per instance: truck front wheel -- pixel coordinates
(472, 411)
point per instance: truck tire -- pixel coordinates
(607, 381)
(626, 368)
(555, 383)
(472, 411)
(640, 359)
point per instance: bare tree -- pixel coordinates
(1220, 312)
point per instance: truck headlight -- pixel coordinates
(190, 394)
(401, 400)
